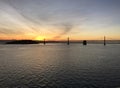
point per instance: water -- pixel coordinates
(60, 66)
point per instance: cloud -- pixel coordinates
(13, 18)
(9, 31)
(65, 27)
(32, 18)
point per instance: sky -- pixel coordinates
(58, 19)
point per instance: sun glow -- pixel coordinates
(39, 38)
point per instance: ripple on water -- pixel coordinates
(59, 66)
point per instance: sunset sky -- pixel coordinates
(58, 19)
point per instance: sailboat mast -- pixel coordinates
(104, 40)
(68, 42)
(44, 41)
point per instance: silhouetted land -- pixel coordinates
(23, 42)
(84, 42)
(53, 41)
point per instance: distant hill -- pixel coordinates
(52, 41)
(23, 42)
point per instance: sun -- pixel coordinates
(39, 38)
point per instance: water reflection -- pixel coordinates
(59, 66)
